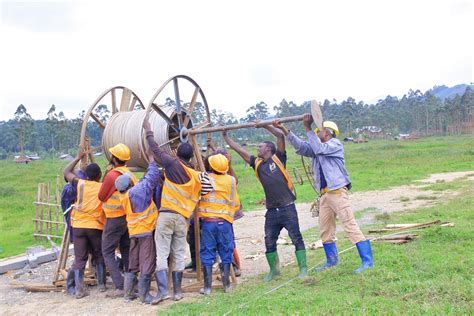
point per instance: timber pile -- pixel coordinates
(401, 227)
(403, 238)
(396, 239)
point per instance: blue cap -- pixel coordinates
(122, 182)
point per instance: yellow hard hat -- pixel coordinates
(331, 125)
(121, 151)
(219, 163)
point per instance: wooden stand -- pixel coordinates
(49, 217)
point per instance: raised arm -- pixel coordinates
(159, 155)
(239, 149)
(69, 169)
(210, 144)
(302, 148)
(281, 147)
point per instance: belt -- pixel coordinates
(326, 190)
(168, 211)
(280, 207)
(210, 219)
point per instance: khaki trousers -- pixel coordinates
(170, 240)
(334, 204)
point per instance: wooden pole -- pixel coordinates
(244, 125)
(197, 231)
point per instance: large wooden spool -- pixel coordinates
(128, 112)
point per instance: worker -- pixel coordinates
(68, 197)
(141, 221)
(115, 232)
(332, 180)
(191, 237)
(180, 195)
(280, 195)
(87, 222)
(217, 210)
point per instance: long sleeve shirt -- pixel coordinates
(328, 157)
(142, 193)
(108, 185)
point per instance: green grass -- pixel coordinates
(431, 275)
(18, 191)
(375, 165)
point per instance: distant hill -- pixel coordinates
(443, 92)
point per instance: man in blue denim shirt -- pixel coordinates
(280, 198)
(332, 180)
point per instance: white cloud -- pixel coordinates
(240, 53)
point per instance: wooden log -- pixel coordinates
(36, 287)
(61, 265)
(397, 237)
(421, 225)
(401, 225)
(197, 231)
(243, 125)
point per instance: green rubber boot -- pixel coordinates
(274, 263)
(301, 258)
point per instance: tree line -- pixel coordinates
(414, 113)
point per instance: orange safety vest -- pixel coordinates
(182, 198)
(113, 207)
(87, 211)
(139, 223)
(223, 201)
(279, 164)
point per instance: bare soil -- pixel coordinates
(250, 244)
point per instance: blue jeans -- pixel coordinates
(216, 236)
(278, 218)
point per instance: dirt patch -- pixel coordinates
(250, 244)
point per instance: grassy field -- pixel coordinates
(429, 276)
(374, 165)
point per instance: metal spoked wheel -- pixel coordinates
(120, 99)
(180, 117)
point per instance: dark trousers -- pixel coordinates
(116, 236)
(86, 240)
(142, 255)
(278, 218)
(216, 237)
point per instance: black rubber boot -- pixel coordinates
(207, 271)
(162, 286)
(70, 283)
(144, 289)
(129, 283)
(177, 278)
(100, 276)
(237, 271)
(226, 278)
(80, 286)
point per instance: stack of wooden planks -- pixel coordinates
(402, 238)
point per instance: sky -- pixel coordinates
(240, 52)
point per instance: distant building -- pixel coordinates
(22, 159)
(370, 131)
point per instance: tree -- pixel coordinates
(24, 124)
(258, 111)
(102, 112)
(51, 126)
